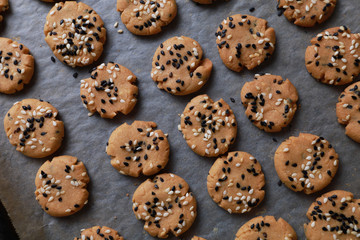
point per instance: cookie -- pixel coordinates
(165, 204)
(208, 127)
(270, 102)
(306, 13)
(178, 67)
(99, 233)
(110, 89)
(333, 57)
(138, 149)
(197, 238)
(146, 17)
(17, 66)
(267, 228)
(334, 215)
(4, 5)
(306, 163)
(32, 126)
(204, 1)
(244, 41)
(61, 186)
(75, 33)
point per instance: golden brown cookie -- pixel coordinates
(4, 5)
(204, 1)
(99, 233)
(32, 126)
(75, 33)
(197, 238)
(178, 67)
(61, 186)
(306, 163)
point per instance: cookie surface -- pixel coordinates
(165, 204)
(31, 125)
(334, 215)
(306, 163)
(146, 17)
(138, 149)
(270, 102)
(4, 5)
(198, 238)
(61, 186)
(178, 67)
(333, 57)
(75, 33)
(99, 233)
(208, 127)
(244, 41)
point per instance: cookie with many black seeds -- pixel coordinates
(99, 233)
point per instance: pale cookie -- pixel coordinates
(197, 238)
(334, 215)
(146, 17)
(138, 149)
(244, 41)
(75, 33)
(99, 233)
(61, 186)
(334, 56)
(178, 67)
(165, 204)
(204, 1)
(4, 5)
(270, 102)
(32, 126)
(306, 163)
(208, 127)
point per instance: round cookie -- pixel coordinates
(99, 233)
(204, 1)
(110, 89)
(31, 125)
(244, 41)
(75, 33)
(197, 238)
(138, 149)
(146, 17)
(61, 186)
(4, 5)
(270, 102)
(178, 67)
(306, 163)
(17, 66)
(334, 56)
(165, 204)
(266, 228)
(208, 127)
(334, 215)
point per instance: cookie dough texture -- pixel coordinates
(4, 5)
(61, 186)
(32, 126)
(244, 41)
(165, 204)
(178, 67)
(75, 33)
(198, 238)
(99, 233)
(306, 163)
(146, 17)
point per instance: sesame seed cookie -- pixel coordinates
(178, 67)
(270, 102)
(4, 5)
(61, 186)
(306, 163)
(197, 238)
(165, 204)
(138, 149)
(75, 33)
(99, 233)
(334, 56)
(31, 125)
(334, 215)
(244, 41)
(146, 17)
(204, 1)
(110, 89)
(208, 127)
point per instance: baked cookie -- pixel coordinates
(306, 163)
(333, 57)
(270, 102)
(75, 33)
(266, 228)
(204, 1)
(61, 186)
(197, 238)
(4, 5)
(334, 215)
(165, 204)
(31, 125)
(208, 127)
(178, 67)
(146, 17)
(99, 233)
(244, 41)
(138, 148)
